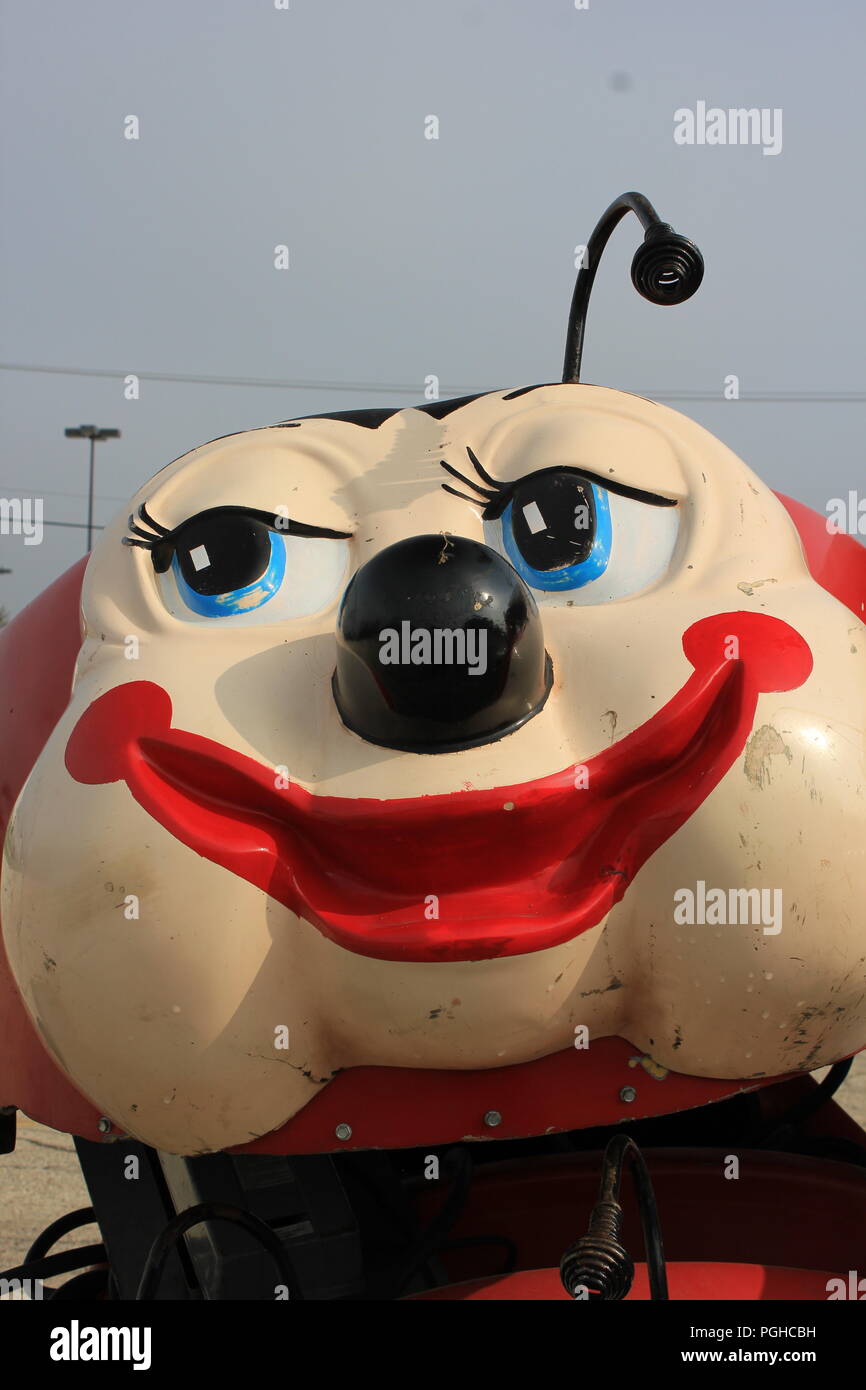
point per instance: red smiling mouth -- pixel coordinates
(467, 875)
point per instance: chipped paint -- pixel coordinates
(765, 743)
(614, 984)
(650, 1066)
(749, 586)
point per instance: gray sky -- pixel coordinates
(411, 256)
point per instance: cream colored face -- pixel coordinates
(703, 736)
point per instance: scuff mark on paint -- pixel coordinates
(749, 586)
(614, 984)
(650, 1066)
(765, 743)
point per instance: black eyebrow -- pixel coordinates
(162, 541)
(495, 496)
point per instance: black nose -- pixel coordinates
(439, 647)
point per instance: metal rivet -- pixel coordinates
(104, 1124)
(628, 1093)
(343, 1131)
(493, 1118)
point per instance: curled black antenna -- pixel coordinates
(667, 269)
(598, 1265)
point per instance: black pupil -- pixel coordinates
(219, 554)
(553, 520)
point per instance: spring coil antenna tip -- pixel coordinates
(667, 268)
(597, 1265)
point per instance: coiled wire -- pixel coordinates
(598, 1264)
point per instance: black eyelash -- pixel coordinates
(496, 496)
(161, 541)
(148, 540)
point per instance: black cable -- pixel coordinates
(810, 1103)
(667, 269)
(441, 1224)
(384, 1200)
(213, 1211)
(598, 1263)
(61, 1263)
(84, 1216)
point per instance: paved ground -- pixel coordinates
(41, 1180)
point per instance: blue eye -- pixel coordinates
(233, 567)
(557, 531)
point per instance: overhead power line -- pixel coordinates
(415, 390)
(204, 380)
(19, 490)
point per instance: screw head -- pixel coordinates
(628, 1094)
(104, 1124)
(492, 1119)
(343, 1131)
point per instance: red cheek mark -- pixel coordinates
(103, 745)
(505, 882)
(773, 655)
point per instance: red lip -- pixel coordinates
(369, 873)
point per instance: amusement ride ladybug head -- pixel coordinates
(430, 734)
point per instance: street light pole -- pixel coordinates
(93, 433)
(90, 493)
